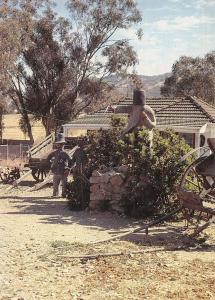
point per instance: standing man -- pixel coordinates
(60, 166)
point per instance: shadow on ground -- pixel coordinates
(56, 211)
(172, 237)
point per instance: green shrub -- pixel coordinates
(154, 172)
(78, 193)
(105, 147)
(103, 150)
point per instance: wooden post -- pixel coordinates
(7, 152)
(197, 142)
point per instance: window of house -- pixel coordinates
(189, 138)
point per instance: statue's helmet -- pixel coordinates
(139, 97)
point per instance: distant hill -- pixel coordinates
(151, 84)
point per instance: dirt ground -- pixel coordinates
(40, 234)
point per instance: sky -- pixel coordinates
(171, 28)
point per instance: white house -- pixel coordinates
(192, 118)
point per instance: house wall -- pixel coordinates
(75, 132)
(209, 132)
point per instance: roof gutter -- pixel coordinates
(181, 129)
(86, 126)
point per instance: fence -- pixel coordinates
(11, 152)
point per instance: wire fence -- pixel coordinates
(11, 152)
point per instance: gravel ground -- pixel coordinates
(40, 234)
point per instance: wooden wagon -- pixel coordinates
(37, 156)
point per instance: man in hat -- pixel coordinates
(60, 166)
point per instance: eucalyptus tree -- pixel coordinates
(94, 49)
(71, 58)
(192, 76)
(63, 67)
(17, 19)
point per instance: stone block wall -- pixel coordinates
(107, 188)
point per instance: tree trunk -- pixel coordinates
(24, 114)
(28, 126)
(47, 129)
(47, 123)
(1, 125)
(20, 105)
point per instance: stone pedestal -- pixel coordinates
(107, 188)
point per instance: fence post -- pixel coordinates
(7, 152)
(20, 150)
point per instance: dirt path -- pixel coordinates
(36, 229)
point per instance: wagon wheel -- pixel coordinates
(39, 174)
(194, 182)
(10, 175)
(201, 185)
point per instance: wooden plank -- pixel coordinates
(201, 228)
(40, 185)
(42, 145)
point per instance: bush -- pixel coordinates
(105, 147)
(78, 193)
(154, 172)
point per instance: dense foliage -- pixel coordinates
(16, 26)
(103, 151)
(78, 193)
(193, 76)
(152, 174)
(105, 147)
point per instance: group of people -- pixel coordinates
(142, 115)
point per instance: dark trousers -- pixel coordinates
(57, 179)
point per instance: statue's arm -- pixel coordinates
(149, 122)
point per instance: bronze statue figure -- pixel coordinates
(142, 115)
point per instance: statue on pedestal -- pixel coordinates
(142, 115)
